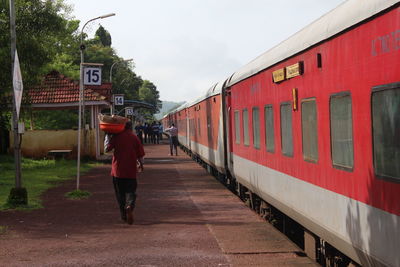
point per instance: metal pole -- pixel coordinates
(97, 133)
(78, 168)
(17, 144)
(81, 107)
(83, 94)
(81, 99)
(112, 66)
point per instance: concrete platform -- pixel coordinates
(242, 236)
(183, 217)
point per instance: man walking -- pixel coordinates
(128, 151)
(173, 138)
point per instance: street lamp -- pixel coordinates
(112, 66)
(111, 69)
(81, 97)
(82, 48)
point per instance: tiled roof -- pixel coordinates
(105, 89)
(56, 88)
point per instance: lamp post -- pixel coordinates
(81, 97)
(111, 69)
(112, 66)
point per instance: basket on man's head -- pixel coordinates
(112, 124)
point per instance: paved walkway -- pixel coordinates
(184, 217)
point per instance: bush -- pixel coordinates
(18, 197)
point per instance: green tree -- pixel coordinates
(48, 39)
(43, 29)
(104, 36)
(67, 57)
(126, 82)
(148, 93)
(124, 79)
(50, 119)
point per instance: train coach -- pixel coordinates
(205, 134)
(312, 128)
(178, 117)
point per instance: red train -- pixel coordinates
(312, 128)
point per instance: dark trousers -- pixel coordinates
(173, 143)
(125, 192)
(156, 139)
(140, 135)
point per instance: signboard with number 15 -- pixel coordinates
(92, 76)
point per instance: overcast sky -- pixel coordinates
(186, 46)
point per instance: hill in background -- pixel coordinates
(166, 107)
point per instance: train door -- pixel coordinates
(228, 126)
(189, 137)
(186, 123)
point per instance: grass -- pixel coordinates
(78, 194)
(37, 177)
(3, 230)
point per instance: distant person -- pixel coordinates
(173, 139)
(156, 135)
(160, 130)
(151, 134)
(139, 131)
(128, 152)
(146, 132)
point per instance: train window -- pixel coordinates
(256, 127)
(269, 128)
(237, 127)
(342, 131)
(286, 129)
(309, 129)
(386, 131)
(245, 127)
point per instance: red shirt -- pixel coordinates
(127, 149)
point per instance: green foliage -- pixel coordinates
(54, 119)
(48, 39)
(43, 31)
(64, 64)
(148, 93)
(97, 53)
(37, 177)
(104, 36)
(78, 194)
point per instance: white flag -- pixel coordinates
(17, 84)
